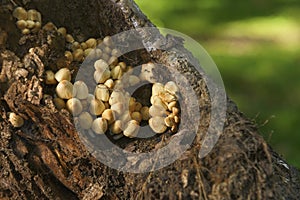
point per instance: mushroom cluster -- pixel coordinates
(109, 107)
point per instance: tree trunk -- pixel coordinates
(45, 158)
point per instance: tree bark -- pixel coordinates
(45, 158)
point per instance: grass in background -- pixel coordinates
(256, 46)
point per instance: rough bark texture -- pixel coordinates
(45, 159)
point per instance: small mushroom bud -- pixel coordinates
(83, 45)
(133, 80)
(117, 127)
(132, 104)
(96, 107)
(107, 50)
(109, 115)
(157, 88)
(82, 90)
(101, 76)
(50, 78)
(89, 52)
(138, 106)
(116, 97)
(157, 110)
(132, 129)
(156, 100)
(102, 93)
(34, 15)
(157, 124)
(118, 108)
(115, 52)
(64, 90)
(16, 120)
(175, 110)
(123, 66)
(171, 87)
(167, 97)
(107, 41)
(69, 38)
(125, 117)
(49, 27)
(85, 120)
(105, 56)
(62, 31)
(59, 103)
(21, 24)
(78, 55)
(171, 105)
(113, 61)
(37, 27)
(176, 119)
(69, 56)
(20, 13)
(116, 72)
(109, 84)
(169, 121)
(30, 24)
(75, 46)
(74, 106)
(91, 43)
(137, 116)
(99, 125)
(63, 74)
(25, 31)
(101, 65)
(145, 113)
(174, 129)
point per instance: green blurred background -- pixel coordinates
(256, 46)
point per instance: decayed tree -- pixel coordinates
(45, 158)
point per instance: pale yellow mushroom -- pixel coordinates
(137, 116)
(171, 87)
(63, 74)
(131, 129)
(96, 107)
(21, 24)
(16, 120)
(109, 115)
(99, 125)
(102, 76)
(50, 78)
(116, 72)
(102, 93)
(116, 97)
(20, 13)
(62, 31)
(109, 83)
(85, 120)
(157, 110)
(69, 55)
(91, 43)
(74, 106)
(101, 65)
(145, 113)
(59, 103)
(157, 88)
(82, 90)
(107, 41)
(69, 38)
(157, 124)
(78, 55)
(117, 127)
(133, 80)
(64, 90)
(118, 108)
